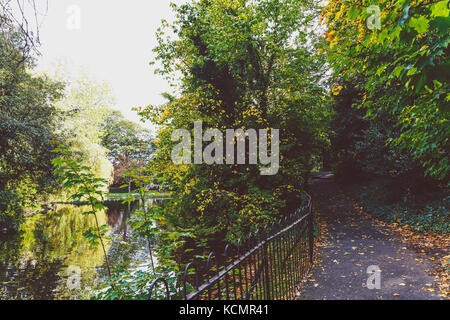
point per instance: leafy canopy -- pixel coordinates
(405, 66)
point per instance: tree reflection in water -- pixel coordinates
(34, 262)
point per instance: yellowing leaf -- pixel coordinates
(440, 9)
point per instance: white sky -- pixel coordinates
(113, 43)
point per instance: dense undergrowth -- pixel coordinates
(426, 212)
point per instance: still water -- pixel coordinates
(36, 262)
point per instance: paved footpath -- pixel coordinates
(356, 242)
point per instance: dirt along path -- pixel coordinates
(355, 243)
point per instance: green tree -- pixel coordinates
(404, 67)
(84, 185)
(28, 125)
(86, 104)
(244, 64)
(129, 145)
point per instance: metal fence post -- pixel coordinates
(266, 272)
(311, 235)
(277, 251)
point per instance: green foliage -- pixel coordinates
(427, 212)
(41, 251)
(359, 144)
(124, 138)
(132, 282)
(34, 112)
(128, 144)
(10, 209)
(86, 104)
(404, 67)
(123, 282)
(28, 124)
(244, 64)
(84, 185)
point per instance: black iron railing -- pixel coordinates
(268, 266)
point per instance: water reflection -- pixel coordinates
(34, 262)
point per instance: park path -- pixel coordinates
(354, 242)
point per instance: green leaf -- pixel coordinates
(421, 82)
(353, 13)
(397, 71)
(440, 9)
(99, 206)
(420, 24)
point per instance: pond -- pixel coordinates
(36, 262)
